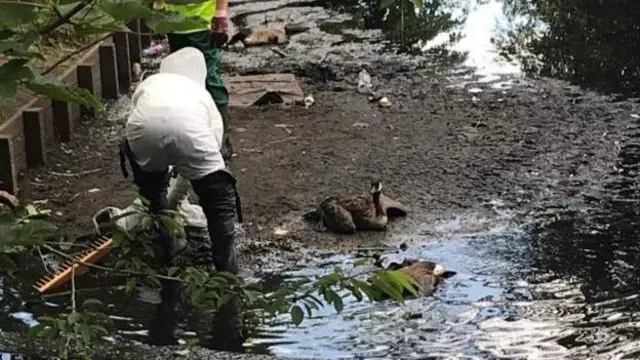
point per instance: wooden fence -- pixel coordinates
(38, 122)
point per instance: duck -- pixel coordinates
(348, 214)
(256, 37)
(429, 275)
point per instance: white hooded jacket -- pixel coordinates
(174, 121)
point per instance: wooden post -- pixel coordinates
(122, 60)
(8, 178)
(62, 121)
(34, 136)
(145, 40)
(135, 46)
(85, 81)
(108, 72)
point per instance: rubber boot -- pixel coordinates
(227, 331)
(163, 324)
(227, 148)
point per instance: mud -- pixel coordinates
(441, 150)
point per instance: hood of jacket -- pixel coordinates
(188, 62)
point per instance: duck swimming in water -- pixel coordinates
(427, 274)
(348, 214)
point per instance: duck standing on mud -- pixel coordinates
(348, 214)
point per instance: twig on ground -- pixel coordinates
(44, 262)
(279, 52)
(285, 127)
(281, 140)
(86, 172)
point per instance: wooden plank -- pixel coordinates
(8, 176)
(145, 37)
(62, 120)
(135, 44)
(34, 136)
(123, 63)
(108, 72)
(85, 81)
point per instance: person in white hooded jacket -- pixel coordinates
(175, 123)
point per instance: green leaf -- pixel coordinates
(168, 22)
(384, 4)
(56, 89)
(130, 285)
(92, 304)
(361, 262)
(11, 73)
(17, 45)
(405, 281)
(296, 314)
(7, 265)
(86, 335)
(309, 307)
(14, 14)
(383, 281)
(74, 317)
(125, 10)
(417, 4)
(336, 300)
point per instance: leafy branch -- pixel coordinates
(26, 26)
(75, 332)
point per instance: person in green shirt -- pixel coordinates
(209, 39)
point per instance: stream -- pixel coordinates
(559, 286)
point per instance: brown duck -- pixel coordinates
(257, 37)
(427, 274)
(348, 214)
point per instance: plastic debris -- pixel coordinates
(308, 101)
(385, 102)
(155, 49)
(373, 97)
(364, 82)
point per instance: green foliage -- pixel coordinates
(73, 333)
(24, 27)
(20, 233)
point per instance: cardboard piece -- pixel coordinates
(245, 91)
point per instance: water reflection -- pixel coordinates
(591, 42)
(400, 22)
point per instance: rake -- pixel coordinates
(99, 249)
